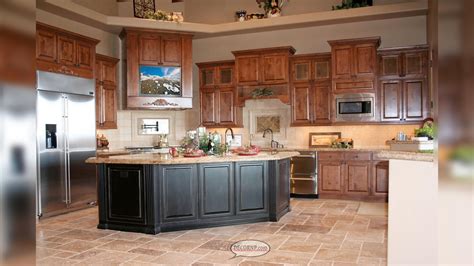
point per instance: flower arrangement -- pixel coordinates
(164, 16)
(348, 4)
(272, 7)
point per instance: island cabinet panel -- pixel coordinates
(125, 187)
(283, 189)
(216, 190)
(178, 192)
(251, 187)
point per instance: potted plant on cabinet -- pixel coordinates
(272, 7)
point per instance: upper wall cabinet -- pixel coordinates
(106, 92)
(263, 66)
(354, 65)
(310, 89)
(409, 62)
(403, 84)
(218, 95)
(64, 52)
(153, 55)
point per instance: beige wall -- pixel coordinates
(107, 7)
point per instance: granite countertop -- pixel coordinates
(406, 155)
(380, 153)
(107, 152)
(155, 158)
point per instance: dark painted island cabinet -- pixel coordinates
(155, 198)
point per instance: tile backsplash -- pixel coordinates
(364, 136)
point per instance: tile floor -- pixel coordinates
(315, 232)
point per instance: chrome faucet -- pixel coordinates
(273, 144)
(231, 132)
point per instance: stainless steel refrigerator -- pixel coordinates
(65, 139)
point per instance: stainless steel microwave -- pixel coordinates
(355, 107)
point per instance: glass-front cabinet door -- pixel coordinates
(302, 71)
(208, 79)
(226, 75)
(322, 69)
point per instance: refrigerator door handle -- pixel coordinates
(66, 148)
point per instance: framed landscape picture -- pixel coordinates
(323, 139)
(160, 81)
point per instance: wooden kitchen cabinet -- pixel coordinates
(352, 175)
(380, 172)
(403, 84)
(157, 48)
(310, 90)
(354, 65)
(267, 66)
(218, 95)
(331, 177)
(106, 92)
(64, 52)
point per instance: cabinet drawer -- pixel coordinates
(331, 156)
(358, 156)
(353, 85)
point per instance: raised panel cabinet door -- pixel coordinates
(251, 181)
(108, 73)
(66, 50)
(46, 45)
(391, 100)
(331, 177)
(342, 62)
(275, 68)
(301, 71)
(364, 61)
(216, 190)
(358, 177)
(380, 175)
(208, 107)
(414, 65)
(301, 94)
(179, 192)
(171, 51)
(149, 48)
(109, 107)
(225, 75)
(125, 186)
(390, 66)
(415, 97)
(85, 53)
(226, 107)
(248, 69)
(322, 104)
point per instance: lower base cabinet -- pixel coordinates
(352, 175)
(155, 198)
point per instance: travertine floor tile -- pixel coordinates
(316, 232)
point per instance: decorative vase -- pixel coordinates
(273, 13)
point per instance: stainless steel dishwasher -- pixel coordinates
(304, 175)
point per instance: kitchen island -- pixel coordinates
(153, 193)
